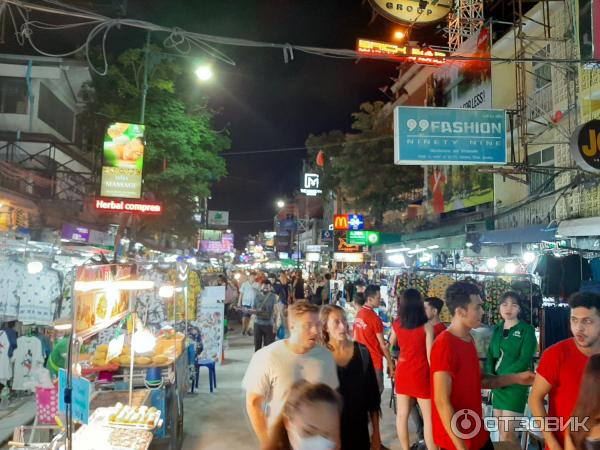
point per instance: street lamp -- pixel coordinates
(204, 73)
(280, 204)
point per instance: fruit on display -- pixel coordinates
(494, 290)
(143, 416)
(437, 288)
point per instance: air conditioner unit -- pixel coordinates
(475, 227)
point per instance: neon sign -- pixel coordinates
(126, 206)
(423, 56)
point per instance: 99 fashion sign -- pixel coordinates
(585, 146)
(413, 12)
(123, 161)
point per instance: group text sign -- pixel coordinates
(449, 136)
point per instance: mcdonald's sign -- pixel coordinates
(348, 222)
(340, 222)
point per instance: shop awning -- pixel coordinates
(525, 235)
(589, 226)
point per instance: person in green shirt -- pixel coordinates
(511, 350)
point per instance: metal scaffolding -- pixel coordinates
(464, 21)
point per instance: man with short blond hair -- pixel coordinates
(275, 368)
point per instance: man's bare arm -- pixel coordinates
(443, 388)
(254, 408)
(540, 389)
(497, 381)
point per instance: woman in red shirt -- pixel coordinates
(414, 335)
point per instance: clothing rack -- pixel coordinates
(528, 276)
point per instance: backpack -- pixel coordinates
(262, 311)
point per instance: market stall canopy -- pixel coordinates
(525, 235)
(589, 226)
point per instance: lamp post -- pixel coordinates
(203, 72)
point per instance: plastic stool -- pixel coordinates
(212, 372)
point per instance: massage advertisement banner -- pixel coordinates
(123, 161)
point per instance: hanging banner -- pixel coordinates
(123, 161)
(588, 31)
(432, 136)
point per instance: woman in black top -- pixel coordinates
(358, 382)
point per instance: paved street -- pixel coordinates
(218, 421)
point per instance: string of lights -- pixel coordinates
(184, 41)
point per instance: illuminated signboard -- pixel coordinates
(417, 55)
(363, 237)
(348, 222)
(123, 161)
(340, 222)
(127, 206)
(311, 185)
(413, 12)
(342, 245)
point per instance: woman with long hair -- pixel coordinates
(587, 406)
(414, 335)
(511, 350)
(310, 419)
(358, 382)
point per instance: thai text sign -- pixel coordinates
(363, 237)
(123, 161)
(449, 136)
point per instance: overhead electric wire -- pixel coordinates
(202, 40)
(304, 147)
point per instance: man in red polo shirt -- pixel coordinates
(456, 379)
(368, 330)
(562, 365)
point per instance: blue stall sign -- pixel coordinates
(449, 136)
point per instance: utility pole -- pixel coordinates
(145, 78)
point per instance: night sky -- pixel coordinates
(268, 104)
(264, 102)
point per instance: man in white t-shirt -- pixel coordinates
(275, 368)
(248, 291)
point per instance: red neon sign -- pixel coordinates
(417, 55)
(127, 206)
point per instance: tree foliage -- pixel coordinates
(181, 160)
(360, 166)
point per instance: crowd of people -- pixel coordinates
(316, 381)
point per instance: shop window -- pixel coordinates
(13, 96)
(55, 113)
(542, 182)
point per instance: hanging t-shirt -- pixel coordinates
(5, 366)
(460, 359)
(366, 327)
(562, 366)
(11, 277)
(575, 269)
(28, 358)
(38, 295)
